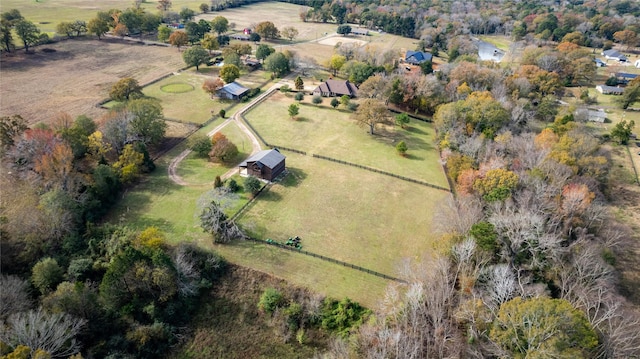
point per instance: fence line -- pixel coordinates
(329, 259)
(382, 172)
(633, 165)
(253, 199)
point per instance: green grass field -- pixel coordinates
(346, 213)
(329, 132)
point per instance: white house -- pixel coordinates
(614, 55)
(609, 90)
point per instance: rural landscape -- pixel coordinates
(319, 179)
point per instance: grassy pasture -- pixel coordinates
(346, 213)
(76, 76)
(46, 14)
(329, 132)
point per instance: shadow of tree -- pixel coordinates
(294, 177)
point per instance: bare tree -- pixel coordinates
(457, 215)
(14, 295)
(52, 332)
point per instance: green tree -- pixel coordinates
(543, 328)
(28, 33)
(402, 148)
(289, 32)
(186, 14)
(164, 32)
(252, 185)
(370, 113)
(622, 131)
(277, 63)
(299, 84)
(402, 119)
(195, 56)
(129, 164)
(299, 96)
(220, 25)
(200, 144)
(98, 26)
(334, 102)
(255, 37)
(631, 94)
(344, 30)
(486, 236)
(294, 109)
(342, 316)
(8, 21)
(267, 30)
(229, 73)
(317, 99)
(148, 123)
(426, 67)
(126, 89)
(46, 275)
(204, 8)
(263, 51)
(345, 100)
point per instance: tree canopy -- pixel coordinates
(195, 56)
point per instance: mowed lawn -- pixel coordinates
(346, 213)
(329, 132)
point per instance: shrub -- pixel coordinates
(352, 106)
(270, 300)
(402, 148)
(233, 185)
(252, 185)
(611, 81)
(317, 99)
(340, 317)
(222, 113)
(285, 89)
(217, 183)
(299, 96)
(335, 102)
(46, 275)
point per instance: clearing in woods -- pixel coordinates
(76, 76)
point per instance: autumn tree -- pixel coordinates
(626, 37)
(222, 150)
(128, 164)
(336, 62)
(496, 185)
(210, 43)
(178, 39)
(289, 32)
(126, 89)
(28, 33)
(267, 30)
(542, 327)
(164, 5)
(370, 113)
(211, 86)
(195, 56)
(229, 73)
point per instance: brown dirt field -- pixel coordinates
(75, 77)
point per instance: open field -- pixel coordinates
(46, 14)
(76, 76)
(346, 213)
(329, 132)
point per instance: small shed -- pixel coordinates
(266, 164)
(359, 31)
(609, 90)
(600, 63)
(241, 37)
(597, 115)
(232, 91)
(333, 88)
(417, 57)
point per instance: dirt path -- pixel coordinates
(172, 170)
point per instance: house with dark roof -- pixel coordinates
(612, 54)
(232, 91)
(600, 63)
(624, 78)
(359, 31)
(417, 57)
(609, 90)
(266, 164)
(336, 88)
(241, 37)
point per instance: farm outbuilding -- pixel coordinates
(232, 91)
(609, 90)
(266, 164)
(614, 55)
(336, 88)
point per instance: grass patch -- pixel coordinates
(500, 41)
(329, 132)
(178, 87)
(346, 213)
